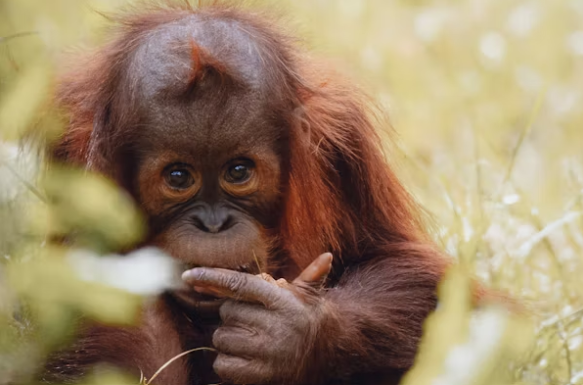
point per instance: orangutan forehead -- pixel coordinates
(173, 55)
(235, 128)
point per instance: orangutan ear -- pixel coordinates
(87, 108)
(80, 143)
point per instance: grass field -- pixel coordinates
(485, 97)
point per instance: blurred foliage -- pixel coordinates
(462, 345)
(485, 96)
(41, 297)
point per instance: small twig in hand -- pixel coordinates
(257, 262)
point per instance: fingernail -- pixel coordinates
(192, 274)
(186, 275)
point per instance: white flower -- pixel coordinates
(146, 271)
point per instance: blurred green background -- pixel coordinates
(486, 99)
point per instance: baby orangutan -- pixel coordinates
(246, 156)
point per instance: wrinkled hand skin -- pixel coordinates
(269, 328)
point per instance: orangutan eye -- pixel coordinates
(239, 173)
(179, 178)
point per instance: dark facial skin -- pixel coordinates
(209, 170)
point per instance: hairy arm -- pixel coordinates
(376, 312)
(368, 324)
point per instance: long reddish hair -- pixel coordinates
(342, 196)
